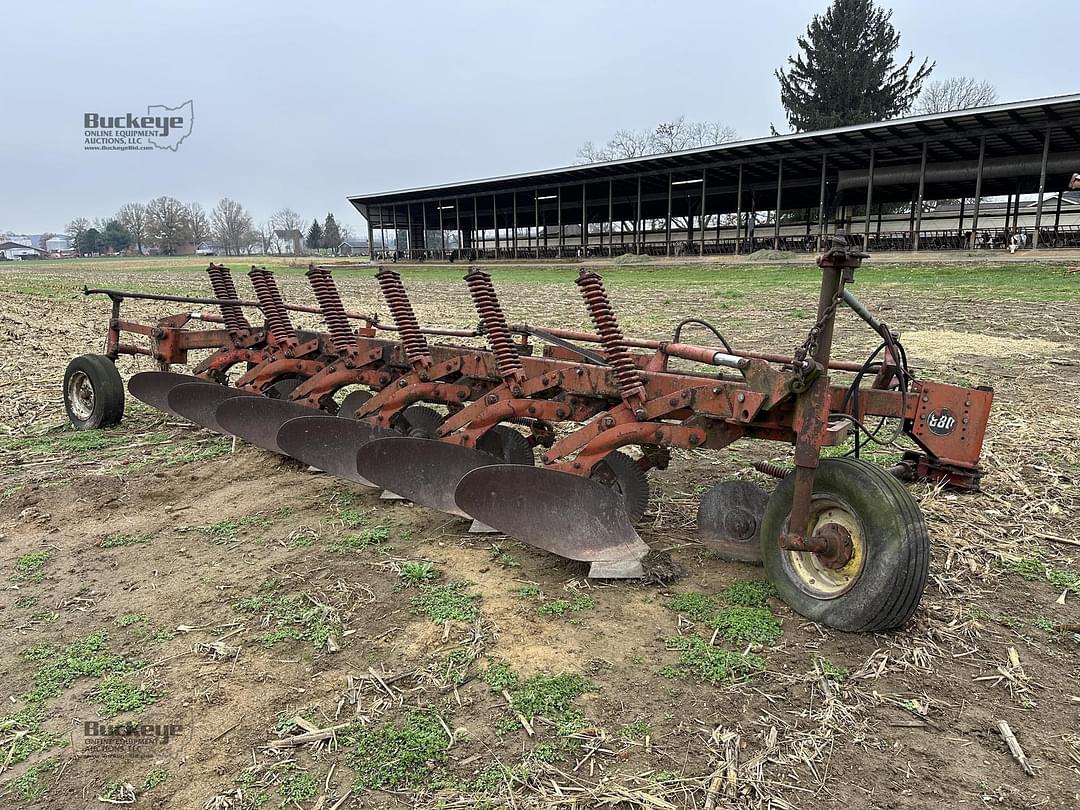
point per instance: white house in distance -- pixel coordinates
(57, 244)
(11, 250)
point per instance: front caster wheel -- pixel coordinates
(874, 572)
(93, 392)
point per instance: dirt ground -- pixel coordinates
(223, 598)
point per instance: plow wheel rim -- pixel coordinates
(81, 395)
(813, 573)
(622, 475)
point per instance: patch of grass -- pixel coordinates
(697, 606)
(154, 778)
(414, 572)
(373, 536)
(832, 671)
(294, 617)
(638, 730)
(303, 537)
(397, 755)
(25, 602)
(456, 668)
(1033, 569)
(746, 625)
(529, 592)
(503, 557)
(499, 675)
(118, 696)
(122, 540)
(228, 531)
(444, 603)
(558, 607)
(296, 787)
(31, 567)
(28, 786)
(128, 619)
(550, 696)
(60, 667)
(748, 592)
(697, 657)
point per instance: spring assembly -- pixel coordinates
(597, 302)
(222, 284)
(772, 469)
(273, 306)
(413, 342)
(333, 310)
(507, 359)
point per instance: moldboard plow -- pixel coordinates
(400, 407)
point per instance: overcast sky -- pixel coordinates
(302, 104)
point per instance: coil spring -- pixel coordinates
(772, 469)
(273, 306)
(413, 342)
(222, 284)
(333, 310)
(603, 317)
(507, 359)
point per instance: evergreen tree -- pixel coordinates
(846, 72)
(331, 236)
(314, 235)
(116, 236)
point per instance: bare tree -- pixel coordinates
(133, 217)
(76, 228)
(198, 224)
(166, 221)
(955, 93)
(291, 226)
(231, 226)
(667, 136)
(265, 237)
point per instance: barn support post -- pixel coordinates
(738, 215)
(442, 233)
(978, 193)
(477, 233)
(394, 220)
(558, 201)
(637, 219)
(1042, 189)
(821, 206)
(457, 225)
(371, 235)
(960, 228)
(584, 225)
(779, 202)
(1057, 215)
(423, 226)
(495, 223)
(701, 232)
(514, 220)
(1008, 216)
(1016, 210)
(610, 220)
(408, 213)
(536, 219)
(667, 236)
(918, 210)
(869, 199)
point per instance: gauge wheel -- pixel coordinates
(93, 392)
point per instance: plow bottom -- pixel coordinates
(199, 402)
(329, 443)
(257, 419)
(564, 514)
(153, 387)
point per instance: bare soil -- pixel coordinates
(907, 719)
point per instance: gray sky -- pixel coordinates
(302, 104)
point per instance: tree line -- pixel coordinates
(847, 71)
(167, 226)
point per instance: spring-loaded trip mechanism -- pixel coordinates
(493, 321)
(273, 306)
(413, 342)
(627, 374)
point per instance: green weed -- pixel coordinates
(529, 592)
(638, 730)
(297, 787)
(28, 786)
(697, 657)
(25, 602)
(228, 531)
(748, 592)
(154, 778)
(697, 606)
(499, 675)
(417, 573)
(31, 567)
(444, 603)
(550, 696)
(374, 536)
(294, 617)
(832, 671)
(121, 540)
(118, 696)
(558, 607)
(128, 619)
(397, 756)
(746, 625)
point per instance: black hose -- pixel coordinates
(677, 336)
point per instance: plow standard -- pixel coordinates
(401, 408)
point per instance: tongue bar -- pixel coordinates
(329, 443)
(564, 514)
(420, 470)
(258, 419)
(153, 387)
(199, 402)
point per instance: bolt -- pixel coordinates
(492, 399)
(673, 401)
(694, 439)
(516, 390)
(607, 422)
(716, 390)
(579, 371)
(560, 413)
(402, 383)
(967, 403)
(741, 397)
(640, 413)
(543, 380)
(577, 466)
(462, 394)
(659, 435)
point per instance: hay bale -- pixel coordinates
(771, 255)
(632, 258)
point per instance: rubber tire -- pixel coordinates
(507, 445)
(897, 548)
(633, 483)
(108, 391)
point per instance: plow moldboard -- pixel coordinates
(555, 511)
(420, 470)
(199, 402)
(153, 387)
(329, 443)
(258, 419)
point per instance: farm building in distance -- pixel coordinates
(952, 181)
